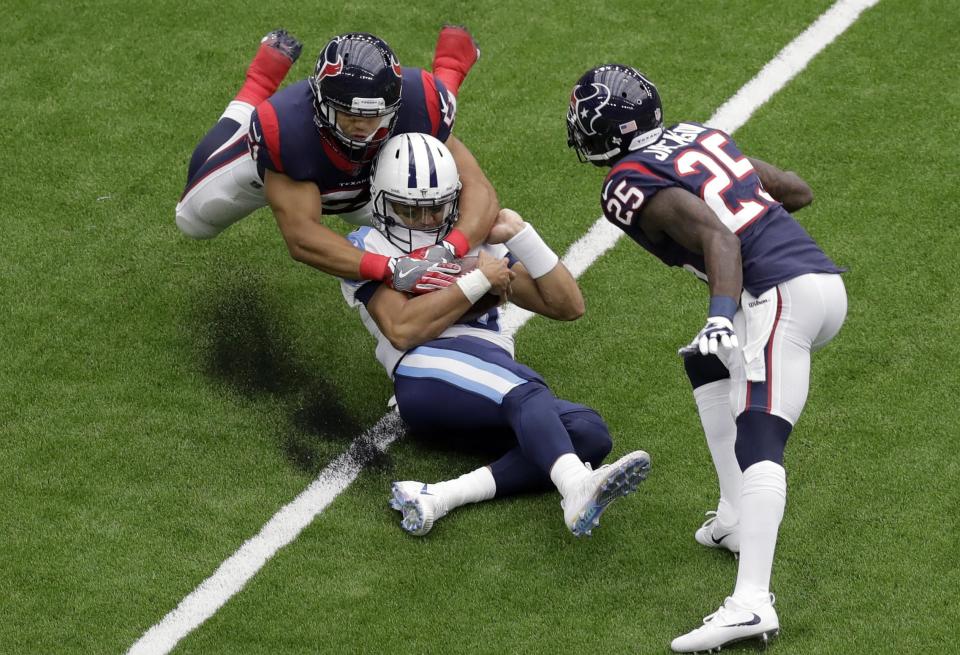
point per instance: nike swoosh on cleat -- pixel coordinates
(754, 621)
(425, 492)
(717, 541)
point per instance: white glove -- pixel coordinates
(716, 338)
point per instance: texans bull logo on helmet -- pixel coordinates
(585, 109)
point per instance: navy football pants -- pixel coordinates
(466, 388)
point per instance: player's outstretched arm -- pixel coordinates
(688, 220)
(478, 200)
(408, 321)
(543, 284)
(787, 187)
(297, 207)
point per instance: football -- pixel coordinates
(467, 264)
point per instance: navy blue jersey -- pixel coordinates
(706, 162)
(283, 138)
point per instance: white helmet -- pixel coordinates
(415, 188)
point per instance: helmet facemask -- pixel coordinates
(356, 150)
(410, 224)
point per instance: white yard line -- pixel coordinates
(286, 524)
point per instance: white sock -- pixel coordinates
(473, 487)
(720, 429)
(761, 510)
(567, 472)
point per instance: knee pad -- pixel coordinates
(704, 369)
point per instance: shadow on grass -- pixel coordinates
(241, 341)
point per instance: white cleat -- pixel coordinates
(730, 624)
(420, 508)
(582, 509)
(712, 534)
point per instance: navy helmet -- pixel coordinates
(356, 74)
(613, 110)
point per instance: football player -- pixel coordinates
(451, 363)
(688, 195)
(307, 150)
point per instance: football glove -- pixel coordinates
(439, 252)
(411, 274)
(716, 338)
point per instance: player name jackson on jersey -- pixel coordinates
(283, 138)
(706, 162)
(358, 293)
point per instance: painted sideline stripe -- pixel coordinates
(286, 524)
(279, 531)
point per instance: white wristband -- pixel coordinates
(533, 252)
(474, 285)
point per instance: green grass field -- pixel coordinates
(163, 398)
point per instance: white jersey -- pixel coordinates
(358, 292)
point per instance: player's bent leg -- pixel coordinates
(276, 55)
(226, 189)
(433, 391)
(227, 130)
(531, 411)
(515, 473)
(588, 432)
(591, 439)
(731, 623)
(277, 52)
(454, 56)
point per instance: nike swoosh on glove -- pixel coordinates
(414, 275)
(716, 338)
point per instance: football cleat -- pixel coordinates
(730, 624)
(583, 507)
(420, 508)
(285, 43)
(714, 535)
